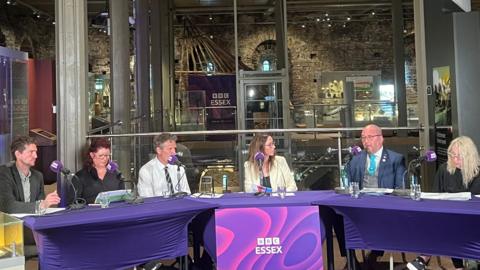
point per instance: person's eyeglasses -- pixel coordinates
(270, 144)
(453, 156)
(369, 137)
(103, 156)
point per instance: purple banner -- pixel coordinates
(218, 94)
(268, 238)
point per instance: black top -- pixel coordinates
(88, 185)
(446, 182)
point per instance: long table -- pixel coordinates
(448, 228)
(118, 237)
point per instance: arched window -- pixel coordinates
(266, 65)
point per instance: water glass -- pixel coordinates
(166, 194)
(206, 185)
(415, 192)
(282, 191)
(104, 200)
(38, 209)
(354, 190)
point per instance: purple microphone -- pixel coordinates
(355, 150)
(112, 166)
(57, 167)
(173, 160)
(259, 156)
(429, 156)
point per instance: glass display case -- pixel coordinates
(99, 99)
(355, 98)
(11, 242)
(14, 98)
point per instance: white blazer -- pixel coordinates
(278, 172)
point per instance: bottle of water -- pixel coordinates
(345, 183)
(225, 183)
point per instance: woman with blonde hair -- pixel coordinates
(274, 168)
(459, 174)
(461, 171)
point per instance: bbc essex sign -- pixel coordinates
(268, 238)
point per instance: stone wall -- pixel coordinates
(313, 49)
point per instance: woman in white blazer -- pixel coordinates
(275, 168)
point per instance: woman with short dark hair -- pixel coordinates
(94, 177)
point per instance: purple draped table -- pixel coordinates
(205, 225)
(447, 228)
(118, 237)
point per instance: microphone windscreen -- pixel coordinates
(173, 160)
(259, 156)
(56, 166)
(112, 166)
(430, 156)
(356, 149)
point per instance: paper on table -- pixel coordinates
(49, 211)
(377, 190)
(206, 195)
(460, 196)
(286, 194)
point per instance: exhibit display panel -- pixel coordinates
(14, 98)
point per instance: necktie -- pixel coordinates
(373, 165)
(169, 181)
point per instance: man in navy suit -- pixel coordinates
(376, 167)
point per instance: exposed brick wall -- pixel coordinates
(312, 50)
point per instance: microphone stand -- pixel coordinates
(404, 192)
(342, 189)
(180, 194)
(78, 203)
(134, 198)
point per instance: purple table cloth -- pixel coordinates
(448, 228)
(117, 237)
(206, 221)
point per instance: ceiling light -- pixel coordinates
(349, 18)
(318, 19)
(373, 13)
(303, 26)
(210, 18)
(329, 25)
(326, 14)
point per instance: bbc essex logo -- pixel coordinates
(268, 245)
